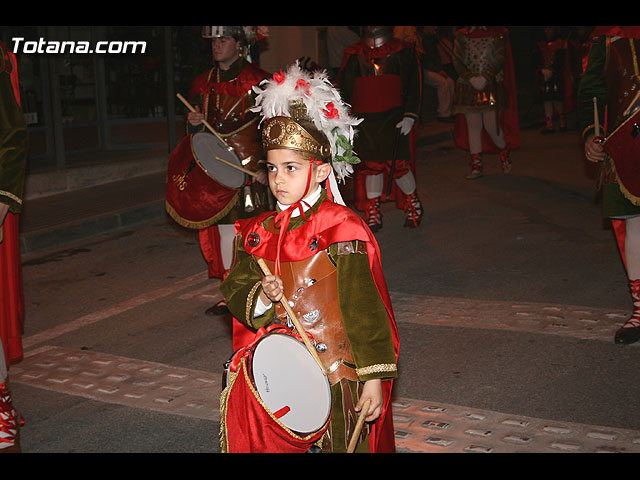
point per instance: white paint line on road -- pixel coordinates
(210, 290)
(113, 310)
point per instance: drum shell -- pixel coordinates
(623, 146)
(243, 412)
(193, 198)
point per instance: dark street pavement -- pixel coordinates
(507, 297)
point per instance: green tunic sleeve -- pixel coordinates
(365, 317)
(241, 289)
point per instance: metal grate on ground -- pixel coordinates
(420, 426)
(424, 427)
(120, 380)
(586, 323)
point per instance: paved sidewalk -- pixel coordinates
(421, 426)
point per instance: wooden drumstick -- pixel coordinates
(632, 105)
(248, 172)
(596, 120)
(294, 320)
(212, 130)
(356, 433)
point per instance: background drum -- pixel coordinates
(208, 150)
(201, 189)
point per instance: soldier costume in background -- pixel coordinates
(225, 98)
(380, 78)
(554, 80)
(13, 160)
(485, 96)
(612, 76)
(329, 262)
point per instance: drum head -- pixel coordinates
(206, 147)
(288, 379)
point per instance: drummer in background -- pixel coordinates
(322, 256)
(612, 77)
(380, 77)
(223, 96)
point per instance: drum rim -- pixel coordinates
(289, 335)
(199, 163)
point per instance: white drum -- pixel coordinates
(290, 383)
(206, 147)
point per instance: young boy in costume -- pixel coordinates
(323, 259)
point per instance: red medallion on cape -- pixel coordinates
(332, 223)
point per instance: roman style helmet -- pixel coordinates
(377, 36)
(246, 35)
(303, 111)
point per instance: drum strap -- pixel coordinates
(634, 56)
(636, 71)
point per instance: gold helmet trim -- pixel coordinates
(295, 134)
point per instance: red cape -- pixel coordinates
(249, 76)
(394, 45)
(509, 122)
(614, 31)
(332, 223)
(12, 304)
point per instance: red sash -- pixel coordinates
(376, 93)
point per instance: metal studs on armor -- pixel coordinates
(312, 317)
(253, 239)
(321, 347)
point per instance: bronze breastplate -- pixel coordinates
(230, 116)
(311, 287)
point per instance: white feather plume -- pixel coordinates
(318, 95)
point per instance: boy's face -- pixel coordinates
(288, 173)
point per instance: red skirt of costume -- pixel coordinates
(12, 304)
